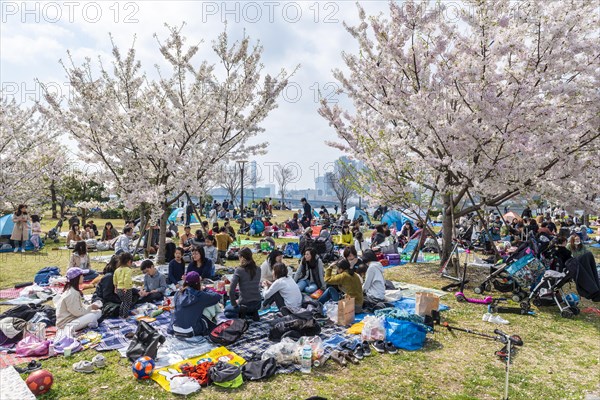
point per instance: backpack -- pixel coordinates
(294, 326)
(260, 369)
(291, 249)
(145, 342)
(42, 277)
(225, 375)
(228, 332)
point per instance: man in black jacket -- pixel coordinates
(307, 208)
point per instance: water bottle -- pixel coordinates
(306, 359)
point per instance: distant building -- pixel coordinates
(323, 186)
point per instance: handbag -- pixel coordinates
(31, 346)
(145, 342)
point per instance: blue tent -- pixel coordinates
(176, 216)
(256, 226)
(396, 217)
(6, 225)
(353, 213)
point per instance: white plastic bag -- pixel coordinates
(184, 385)
(284, 352)
(316, 344)
(332, 310)
(373, 329)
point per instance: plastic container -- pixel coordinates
(306, 359)
(51, 351)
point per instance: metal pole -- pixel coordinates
(242, 195)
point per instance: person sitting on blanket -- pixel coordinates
(70, 307)
(283, 291)
(79, 257)
(190, 303)
(347, 281)
(576, 246)
(155, 283)
(266, 269)
(310, 275)
(109, 233)
(346, 236)
(374, 282)
(105, 288)
(247, 278)
(351, 255)
(202, 265)
(210, 249)
(123, 243)
(378, 236)
(176, 268)
(74, 235)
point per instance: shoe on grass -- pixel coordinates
(359, 353)
(83, 366)
(379, 346)
(496, 319)
(339, 358)
(348, 355)
(486, 317)
(366, 348)
(32, 366)
(390, 348)
(99, 361)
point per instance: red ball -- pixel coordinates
(40, 382)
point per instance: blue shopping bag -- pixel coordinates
(405, 335)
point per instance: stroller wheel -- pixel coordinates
(516, 297)
(566, 313)
(525, 306)
(479, 289)
(537, 302)
(575, 310)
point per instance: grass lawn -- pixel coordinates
(559, 360)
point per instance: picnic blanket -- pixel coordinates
(10, 293)
(218, 354)
(421, 258)
(12, 386)
(9, 359)
(113, 331)
(410, 290)
(255, 341)
(405, 304)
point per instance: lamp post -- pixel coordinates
(241, 163)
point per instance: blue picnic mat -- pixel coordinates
(405, 304)
(113, 330)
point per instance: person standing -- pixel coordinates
(307, 209)
(189, 210)
(20, 232)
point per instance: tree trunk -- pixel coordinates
(62, 209)
(83, 216)
(163, 234)
(586, 219)
(54, 201)
(447, 224)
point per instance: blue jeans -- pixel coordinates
(307, 287)
(329, 294)
(234, 311)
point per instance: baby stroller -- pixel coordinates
(53, 234)
(520, 271)
(549, 292)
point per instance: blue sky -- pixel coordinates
(35, 35)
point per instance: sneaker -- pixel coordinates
(99, 361)
(496, 319)
(486, 317)
(390, 348)
(83, 366)
(16, 250)
(379, 346)
(366, 348)
(22, 250)
(359, 353)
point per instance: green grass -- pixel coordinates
(558, 361)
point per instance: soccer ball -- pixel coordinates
(142, 367)
(39, 382)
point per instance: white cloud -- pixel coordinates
(295, 130)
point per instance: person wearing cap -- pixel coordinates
(189, 304)
(70, 307)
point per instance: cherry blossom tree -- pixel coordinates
(157, 139)
(502, 102)
(26, 153)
